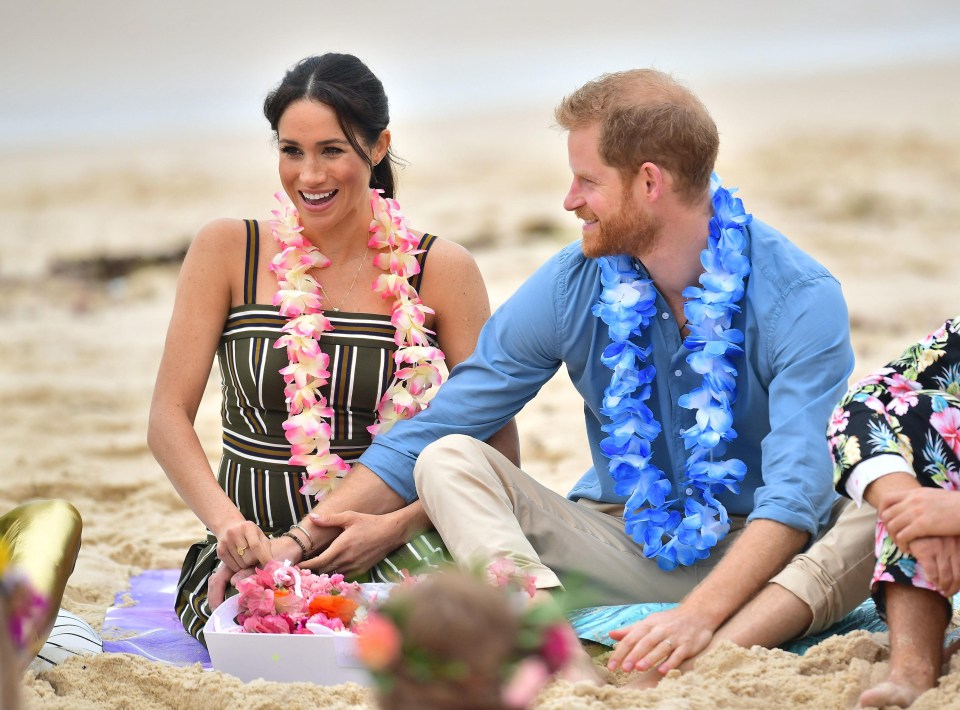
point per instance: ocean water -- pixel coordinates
(128, 68)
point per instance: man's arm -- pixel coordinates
(517, 352)
(762, 550)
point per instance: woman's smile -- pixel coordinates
(317, 200)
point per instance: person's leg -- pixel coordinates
(484, 507)
(917, 619)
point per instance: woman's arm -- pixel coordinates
(203, 298)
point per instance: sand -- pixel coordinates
(858, 169)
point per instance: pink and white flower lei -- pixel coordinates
(421, 367)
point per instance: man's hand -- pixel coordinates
(940, 559)
(365, 540)
(920, 512)
(667, 638)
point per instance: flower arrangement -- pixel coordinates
(421, 368)
(280, 598)
(453, 641)
(627, 304)
(23, 605)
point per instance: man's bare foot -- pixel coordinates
(890, 693)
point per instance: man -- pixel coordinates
(703, 437)
(642, 149)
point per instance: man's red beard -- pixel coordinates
(630, 231)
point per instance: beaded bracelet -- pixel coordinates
(303, 548)
(302, 529)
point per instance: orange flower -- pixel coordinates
(378, 642)
(334, 606)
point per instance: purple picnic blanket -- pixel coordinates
(150, 627)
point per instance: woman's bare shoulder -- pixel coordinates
(450, 258)
(451, 278)
(221, 241)
(222, 232)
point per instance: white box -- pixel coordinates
(327, 659)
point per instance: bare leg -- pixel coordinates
(771, 618)
(917, 623)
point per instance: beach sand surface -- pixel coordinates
(859, 169)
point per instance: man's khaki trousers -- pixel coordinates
(485, 507)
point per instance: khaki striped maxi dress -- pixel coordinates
(253, 470)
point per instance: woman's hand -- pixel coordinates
(365, 540)
(280, 548)
(920, 512)
(243, 545)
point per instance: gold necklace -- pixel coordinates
(349, 290)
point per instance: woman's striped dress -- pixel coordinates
(253, 469)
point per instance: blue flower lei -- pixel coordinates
(627, 305)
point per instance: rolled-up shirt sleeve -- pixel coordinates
(517, 352)
(808, 346)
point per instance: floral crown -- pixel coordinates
(521, 644)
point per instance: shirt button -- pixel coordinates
(678, 372)
(665, 315)
(689, 491)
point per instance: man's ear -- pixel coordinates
(650, 182)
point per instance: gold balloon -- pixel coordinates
(43, 539)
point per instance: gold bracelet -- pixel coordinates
(302, 529)
(303, 548)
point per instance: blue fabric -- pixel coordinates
(795, 368)
(596, 623)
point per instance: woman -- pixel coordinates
(895, 439)
(262, 304)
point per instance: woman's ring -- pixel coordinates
(241, 550)
(668, 642)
